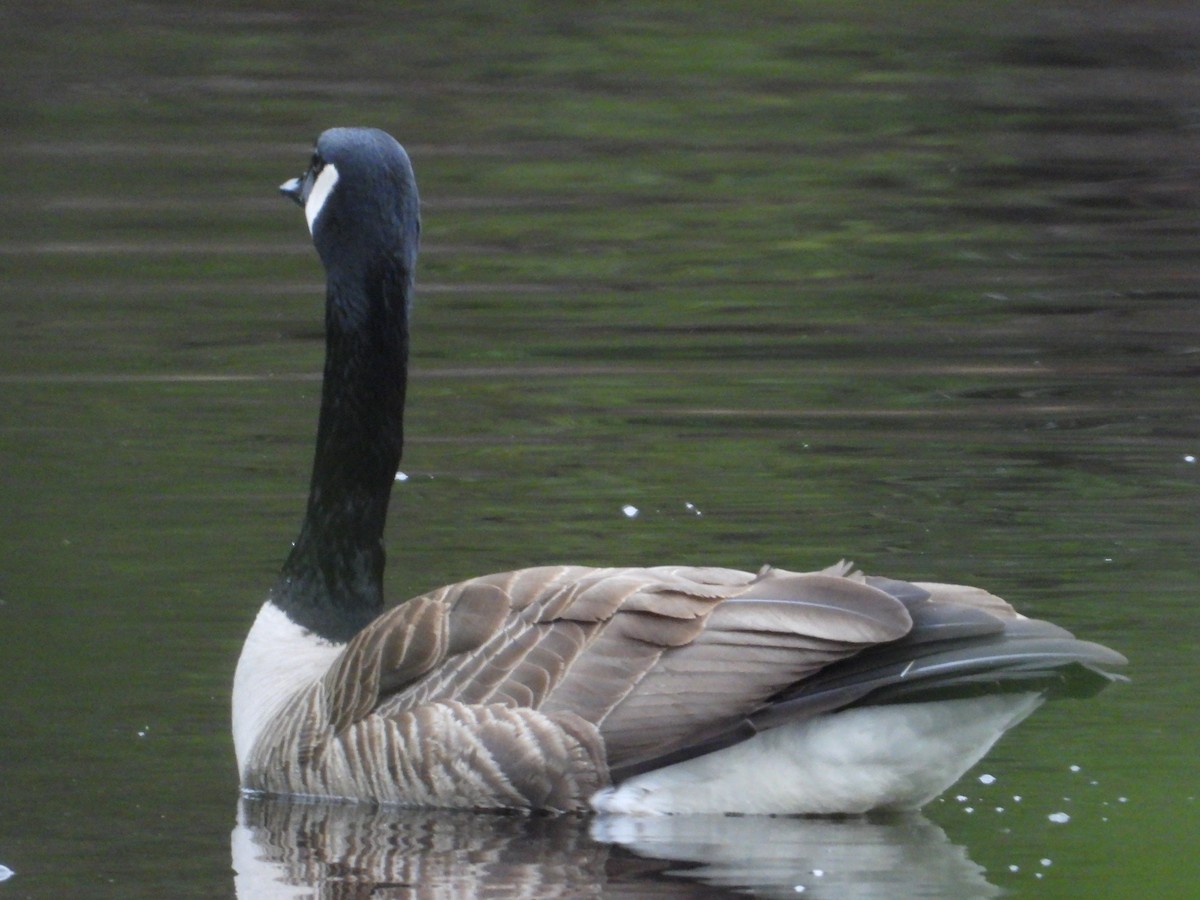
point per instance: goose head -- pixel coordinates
(360, 199)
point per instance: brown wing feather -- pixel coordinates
(653, 658)
(778, 629)
(383, 657)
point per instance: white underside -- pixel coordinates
(871, 758)
(278, 660)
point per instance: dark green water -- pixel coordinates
(797, 280)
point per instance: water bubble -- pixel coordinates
(5, 872)
(1014, 868)
(818, 873)
(401, 476)
(1189, 458)
(691, 507)
(1059, 817)
(987, 779)
(1044, 861)
(1073, 768)
(631, 511)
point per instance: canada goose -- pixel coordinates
(661, 690)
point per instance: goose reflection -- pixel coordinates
(284, 848)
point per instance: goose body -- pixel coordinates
(648, 690)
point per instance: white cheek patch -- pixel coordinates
(320, 192)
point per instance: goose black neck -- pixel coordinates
(332, 581)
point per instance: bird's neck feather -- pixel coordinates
(331, 582)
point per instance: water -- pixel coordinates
(797, 282)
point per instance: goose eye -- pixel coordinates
(316, 163)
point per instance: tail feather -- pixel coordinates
(951, 652)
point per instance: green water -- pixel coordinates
(798, 281)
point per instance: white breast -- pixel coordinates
(278, 659)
